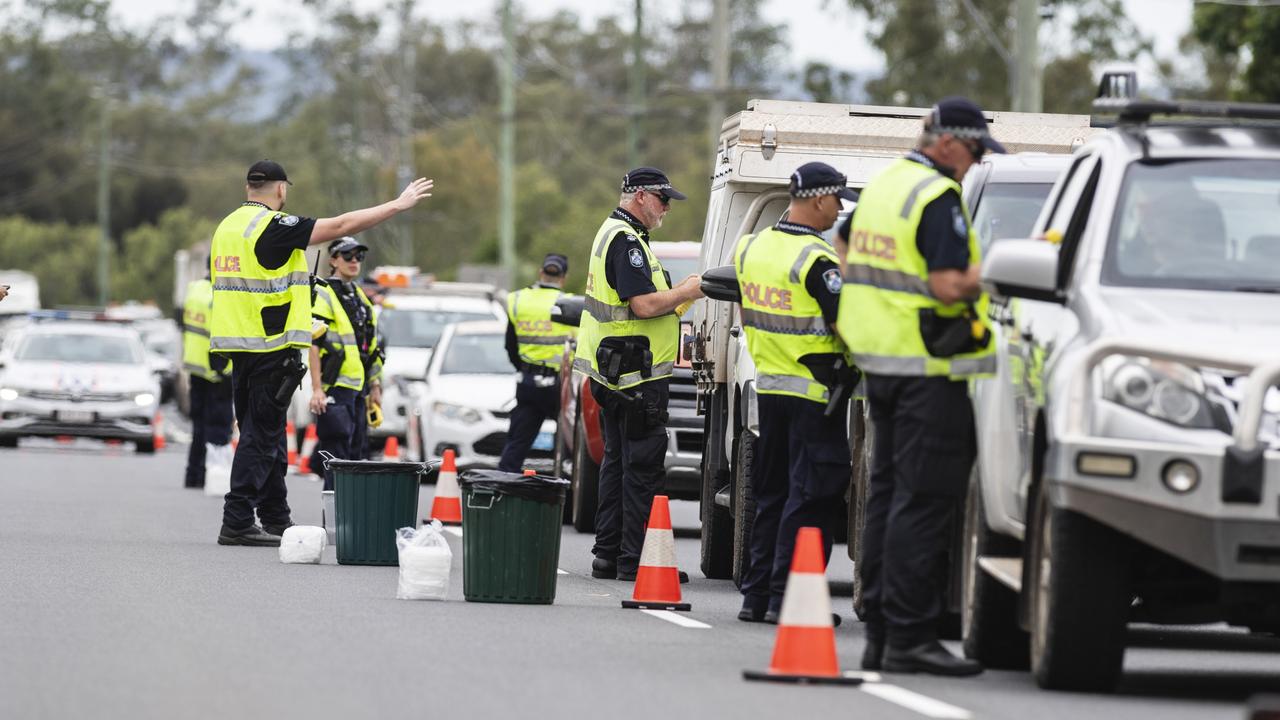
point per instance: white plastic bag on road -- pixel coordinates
(425, 559)
(217, 470)
(302, 544)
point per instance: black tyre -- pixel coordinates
(744, 505)
(1080, 600)
(558, 470)
(717, 523)
(861, 439)
(8, 442)
(585, 482)
(988, 609)
(145, 447)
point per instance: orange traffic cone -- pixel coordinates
(391, 453)
(158, 431)
(658, 578)
(447, 505)
(805, 648)
(308, 447)
(291, 440)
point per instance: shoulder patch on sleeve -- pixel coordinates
(635, 257)
(289, 220)
(958, 223)
(833, 280)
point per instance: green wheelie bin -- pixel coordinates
(510, 536)
(371, 501)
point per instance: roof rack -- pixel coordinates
(1131, 112)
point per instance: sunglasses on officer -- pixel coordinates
(666, 201)
(349, 255)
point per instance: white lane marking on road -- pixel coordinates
(675, 618)
(916, 702)
(561, 572)
(454, 531)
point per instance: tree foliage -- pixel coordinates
(1242, 50)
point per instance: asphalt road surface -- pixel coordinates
(115, 602)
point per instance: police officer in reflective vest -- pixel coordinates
(345, 358)
(913, 314)
(535, 346)
(790, 280)
(627, 346)
(209, 384)
(261, 320)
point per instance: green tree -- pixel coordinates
(1242, 51)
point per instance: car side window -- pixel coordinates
(1075, 216)
(1066, 202)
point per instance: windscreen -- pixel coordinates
(1008, 210)
(51, 347)
(402, 327)
(476, 355)
(1197, 225)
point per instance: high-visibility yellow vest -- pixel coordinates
(539, 340)
(342, 335)
(256, 309)
(886, 279)
(783, 322)
(197, 307)
(605, 315)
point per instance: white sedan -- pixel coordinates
(470, 393)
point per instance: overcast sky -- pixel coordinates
(822, 30)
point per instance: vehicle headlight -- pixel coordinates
(460, 413)
(1166, 391)
(9, 394)
(144, 399)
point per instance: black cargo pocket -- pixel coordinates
(830, 468)
(274, 319)
(942, 467)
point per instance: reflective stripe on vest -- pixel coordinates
(608, 316)
(341, 332)
(540, 341)
(197, 306)
(782, 321)
(886, 279)
(243, 290)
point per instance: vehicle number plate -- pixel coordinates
(75, 416)
(542, 442)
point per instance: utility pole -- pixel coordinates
(637, 108)
(507, 149)
(404, 123)
(1028, 83)
(720, 32)
(104, 199)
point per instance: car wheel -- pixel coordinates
(860, 442)
(1079, 599)
(717, 526)
(744, 505)
(558, 470)
(8, 442)
(989, 609)
(145, 447)
(585, 482)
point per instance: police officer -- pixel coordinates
(535, 346)
(627, 346)
(210, 384)
(914, 316)
(261, 319)
(790, 280)
(345, 358)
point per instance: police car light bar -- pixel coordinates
(1130, 111)
(81, 314)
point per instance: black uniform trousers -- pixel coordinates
(340, 430)
(800, 473)
(533, 406)
(211, 417)
(632, 472)
(924, 449)
(261, 460)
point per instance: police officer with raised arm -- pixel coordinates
(914, 316)
(209, 385)
(261, 320)
(789, 276)
(345, 358)
(535, 346)
(627, 346)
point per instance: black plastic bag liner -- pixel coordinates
(539, 488)
(373, 467)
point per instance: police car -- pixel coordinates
(470, 391)
(66, 374)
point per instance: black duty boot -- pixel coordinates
(772, 616)
(277, 529)
(253, 536)
(929, 657)
(631, 576)
(603, 569)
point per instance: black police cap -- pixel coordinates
(266, 171)
(345, 244)
(818, 178)
(651, 179)
(555, 264)
(963, 118)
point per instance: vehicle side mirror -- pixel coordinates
(568, 310)
(721, 283)
(1022, 269)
